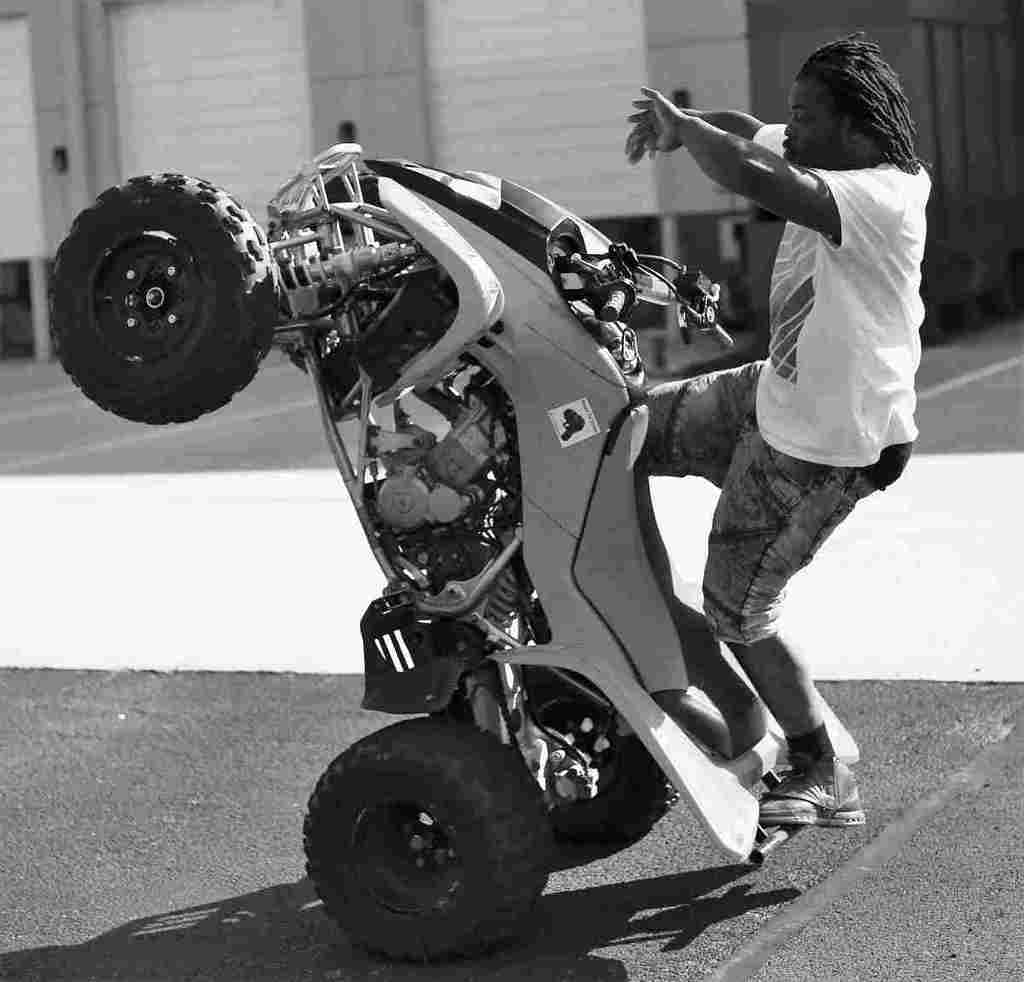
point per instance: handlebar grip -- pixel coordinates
(614, 305)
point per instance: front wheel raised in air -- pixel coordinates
(428, 839)
(163, 299)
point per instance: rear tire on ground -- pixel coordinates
(163, 299)
(428, 839)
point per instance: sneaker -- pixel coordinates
(820, 793)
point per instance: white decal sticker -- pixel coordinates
(574, 422)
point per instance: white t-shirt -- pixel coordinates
(838, 384)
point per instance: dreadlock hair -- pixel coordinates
(865, 88)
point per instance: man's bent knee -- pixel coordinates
(744, 628)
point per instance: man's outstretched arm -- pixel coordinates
(730, 120)
(735, 162)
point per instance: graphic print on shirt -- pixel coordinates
(791, 301)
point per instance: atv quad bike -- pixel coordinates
(474, 336)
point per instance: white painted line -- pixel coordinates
(155, 433)
(175, 922)
(752, 957)
(54, 409)
(23, 406)
(37, 395)
(961, 380)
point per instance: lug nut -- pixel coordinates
(587, 725)
(172, 318)
(131, 322)
(130, 274)
(172, 270)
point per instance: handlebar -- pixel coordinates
(610, 284)
(614, 305)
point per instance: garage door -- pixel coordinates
(20, 198)
(538, 92)
(217, 90)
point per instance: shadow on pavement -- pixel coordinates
(282, 933)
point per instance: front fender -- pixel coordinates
(412, 663)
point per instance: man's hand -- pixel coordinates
(655, 127)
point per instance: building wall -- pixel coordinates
(538, 92)
(418, 78)
(961, 69)
(48, 84)
(702, 49)
(367, 67)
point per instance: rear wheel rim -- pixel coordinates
(588, 731)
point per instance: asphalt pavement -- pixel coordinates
(152, 831)
(150, 822)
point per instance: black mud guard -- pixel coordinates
(413, 662)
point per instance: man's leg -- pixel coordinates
(694, 427)
(774, 513)
(820, 790)
(705, 664)
(783, 681)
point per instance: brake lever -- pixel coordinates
(703, 291)
(684, 323)
(723, 336)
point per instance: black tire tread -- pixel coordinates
(499, 800)
(228, 358)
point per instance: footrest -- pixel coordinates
(767, 840)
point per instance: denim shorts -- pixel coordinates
(774, 511)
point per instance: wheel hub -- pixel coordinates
(145, 293)
(409, 860)
(585, 733)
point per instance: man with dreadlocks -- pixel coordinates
(795, 441)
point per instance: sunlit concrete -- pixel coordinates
(269, 571)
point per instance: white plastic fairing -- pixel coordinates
(481, 300)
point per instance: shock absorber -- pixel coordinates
(316, 270)
(503, 601)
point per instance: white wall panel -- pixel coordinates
(717, 76)
(671, 23)
(217, 90)
(538, 92)
(20, 195)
